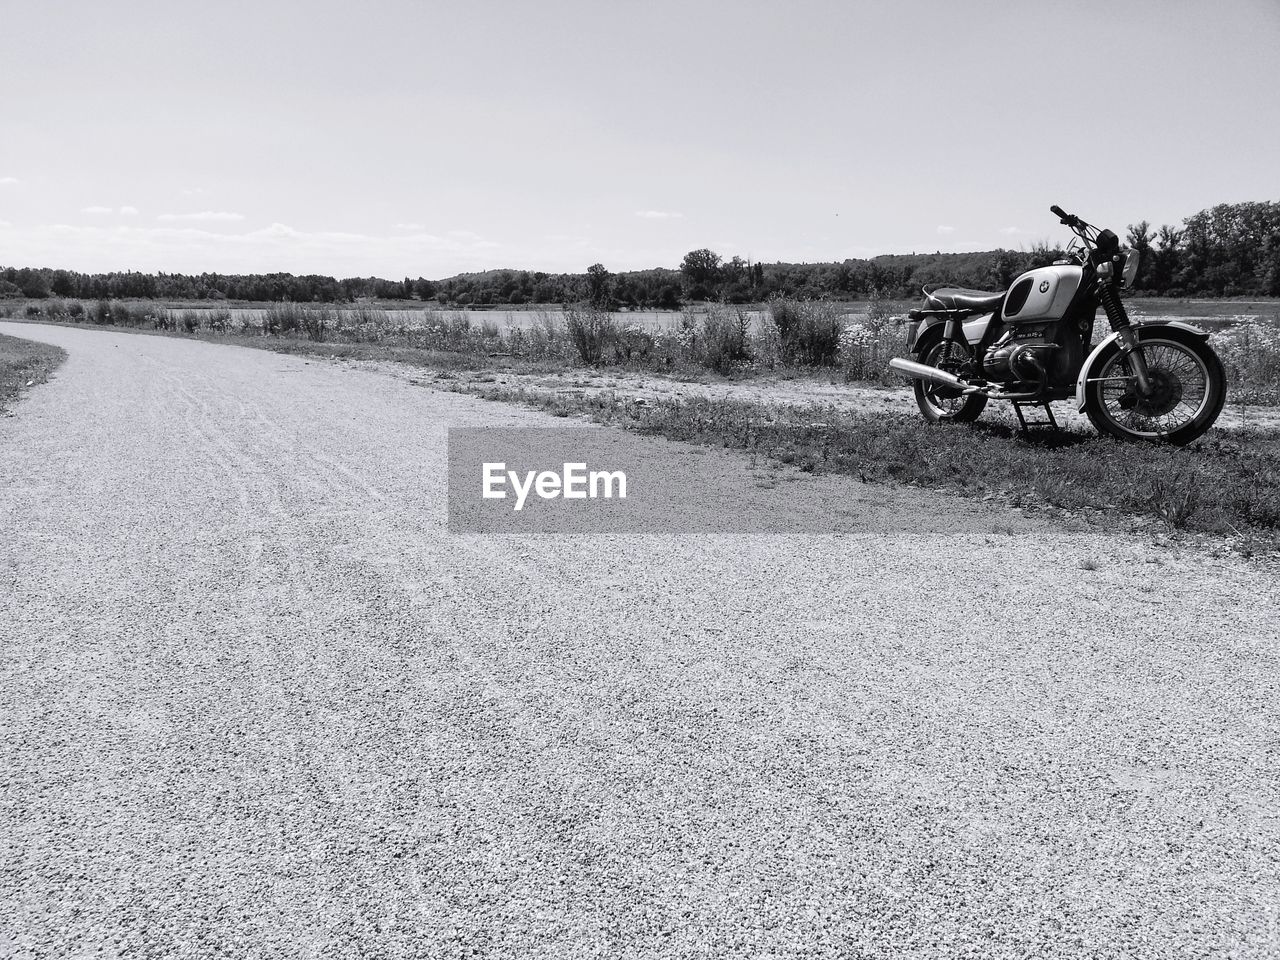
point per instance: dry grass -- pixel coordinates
(792, 335)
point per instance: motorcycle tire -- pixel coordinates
(1189, 388)
(939, 403)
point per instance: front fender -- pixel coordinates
(1139, 329)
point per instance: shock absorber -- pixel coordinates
(1117, 316)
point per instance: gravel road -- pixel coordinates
(257, 702)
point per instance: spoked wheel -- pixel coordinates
(1188, 388)
(938, 402)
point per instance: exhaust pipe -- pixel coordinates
(918, 371)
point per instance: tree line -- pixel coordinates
(1230, 250)
(1227, 250)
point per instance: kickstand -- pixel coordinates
(1028, 426)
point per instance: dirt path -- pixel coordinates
(255, 700)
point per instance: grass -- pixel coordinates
(849, 341)
(24, 364)
(1227, 484)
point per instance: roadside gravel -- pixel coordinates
(256, 701)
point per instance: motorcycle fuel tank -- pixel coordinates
(1042, 294)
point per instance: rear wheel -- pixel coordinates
(939, 403)
(1188, 389)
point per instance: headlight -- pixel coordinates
(1130, 272)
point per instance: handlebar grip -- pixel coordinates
(1058, 212)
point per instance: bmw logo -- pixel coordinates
(1044, 286)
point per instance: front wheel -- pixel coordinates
(1188, 389)
(939, 403)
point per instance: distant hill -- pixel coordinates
(1227, 250)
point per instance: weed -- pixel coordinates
(809, 332)
(591, 331)
(726, 340)
(1176, 499)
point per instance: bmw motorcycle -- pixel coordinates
(1033, 344)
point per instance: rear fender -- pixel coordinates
(974, 330)
(1141, 329)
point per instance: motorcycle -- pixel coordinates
(1033, 344)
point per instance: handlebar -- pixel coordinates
(1062, 215)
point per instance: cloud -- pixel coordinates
(96, 210)
(409, 226)
(204, 216)
(943, 228)
(658, 215)
(9, 180)
(1010, 231)
(5, 223)
(129, 211)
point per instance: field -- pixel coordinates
(852, 340)
(1226, 485)
(23, 364)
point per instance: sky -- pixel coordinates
(397, 138)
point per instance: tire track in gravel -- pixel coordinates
(256, 700)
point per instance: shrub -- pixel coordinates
(879, 312)
(57, 308)
(726, 339)
(447, 331)
(591, 332)
(316, 322)
(865, 351)
(312, 322)
(219, 320)
(33, 310)
(281, 318)
(547, 336)
(633, 343)
(122, 316)
(809, 332)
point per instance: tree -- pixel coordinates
(702, 273)
(1139, 239)
(1005, 265)
(1165, 259)
(599, 287)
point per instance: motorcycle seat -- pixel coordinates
(952, 298)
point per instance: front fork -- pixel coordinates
(1127, 337)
